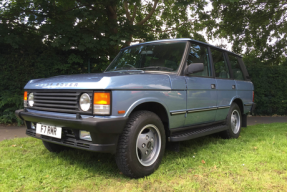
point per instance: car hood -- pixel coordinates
(112, 80)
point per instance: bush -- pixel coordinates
(9, 102)
(270, 87)
(33, 61)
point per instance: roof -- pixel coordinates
(182, 39)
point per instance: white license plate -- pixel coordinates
(49, 130)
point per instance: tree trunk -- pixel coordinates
(112, 20)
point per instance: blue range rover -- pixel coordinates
(151, 94)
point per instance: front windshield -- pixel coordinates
(164, 56)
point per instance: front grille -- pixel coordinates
(31, 132)
(58, 101)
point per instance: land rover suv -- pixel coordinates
(152, 94)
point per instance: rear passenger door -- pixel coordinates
(226, 87)
(201, 88)
(244, 87)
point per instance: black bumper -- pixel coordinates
(104, 131)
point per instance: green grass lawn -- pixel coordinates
(256, 161)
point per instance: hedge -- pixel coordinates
(270, 88)
(18, 66)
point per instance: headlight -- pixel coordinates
(31, 99)
(102, 103)
(85, 102)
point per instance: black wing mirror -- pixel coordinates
(193, 68)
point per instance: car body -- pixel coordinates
(181, 88)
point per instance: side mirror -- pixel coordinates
(193, 68)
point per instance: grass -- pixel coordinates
(256, 161)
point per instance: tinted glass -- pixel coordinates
(199, 54)
(150, 57)
(220, 64)
(235, 67)
(244, 70)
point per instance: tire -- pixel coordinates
(141, 145)
(54, 148)
(233, 122)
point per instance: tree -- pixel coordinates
(41, 38)
(98, 29)
(258, 26)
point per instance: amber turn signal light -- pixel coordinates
(25, 95)
(102, 98)
(102, 103)
(121, 112)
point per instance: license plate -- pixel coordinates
(49, 130)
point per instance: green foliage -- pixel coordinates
(42, 38)
(20, 65)
(270, 85)
(9, 103)
(252, 25)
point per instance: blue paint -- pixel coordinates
(193, 96)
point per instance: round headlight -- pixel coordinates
(85, 102)
(31, 99)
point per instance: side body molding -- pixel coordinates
(144, 100)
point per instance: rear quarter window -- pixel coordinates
(235, 67)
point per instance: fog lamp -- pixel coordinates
(85, 135)
(33, 125)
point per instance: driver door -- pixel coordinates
(201, 88)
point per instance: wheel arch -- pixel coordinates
(239, 102)
(156, 107)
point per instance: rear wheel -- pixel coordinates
(234, 122)
(55, 148)
(141, 145)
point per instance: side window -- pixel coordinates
(199, 54)
(235, 67)
(220, 64)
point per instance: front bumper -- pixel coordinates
(104, 131)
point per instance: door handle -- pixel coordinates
(233, 86)
(212, 86)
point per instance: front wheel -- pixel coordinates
(234, 121)
(141, 145)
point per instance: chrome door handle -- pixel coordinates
(212, 86)
(233, 86)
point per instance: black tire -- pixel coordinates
(233, 131)
(129, 158)
(54, 148)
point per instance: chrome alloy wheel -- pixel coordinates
(235, 121)
(148, 145)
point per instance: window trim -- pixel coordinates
(186, 57)
(182, 66)
(156, 43)
(225, 60)
(244, 69)
(244, 77)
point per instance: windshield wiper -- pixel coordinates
(125, 69)
(157, 67)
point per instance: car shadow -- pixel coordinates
(104, 164)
